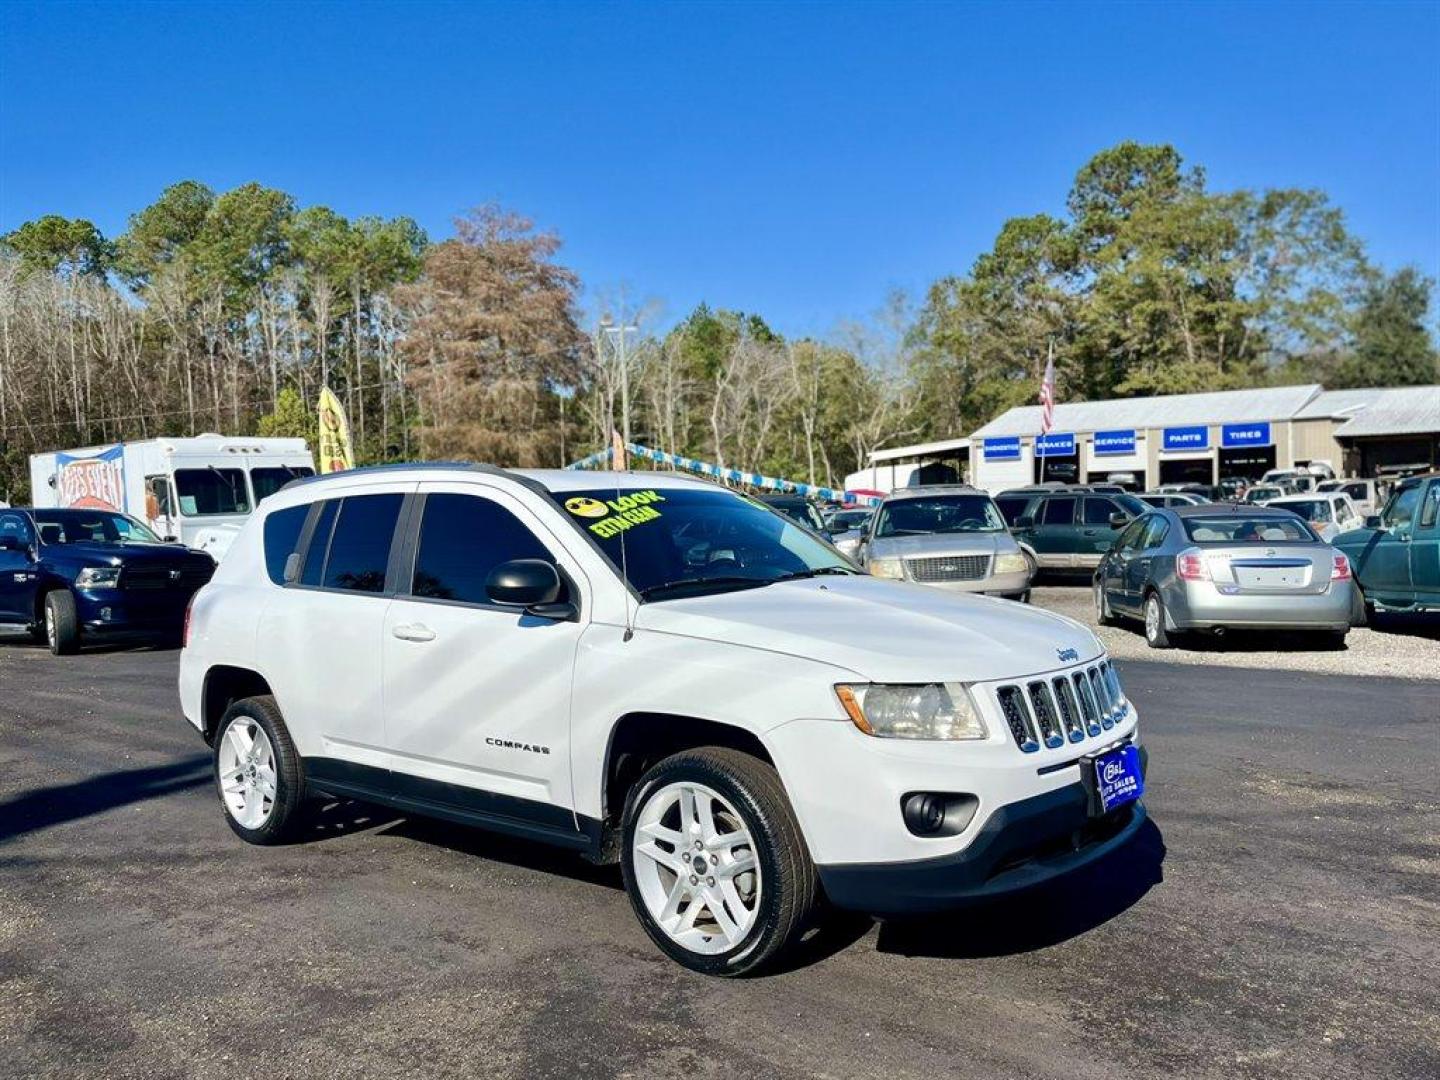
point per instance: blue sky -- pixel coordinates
(799, 160)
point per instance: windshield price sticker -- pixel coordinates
(616, 515)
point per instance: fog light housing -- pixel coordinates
(104, 614)
(933, 813)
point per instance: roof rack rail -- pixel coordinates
(401, 466)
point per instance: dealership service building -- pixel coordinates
(1202, 438)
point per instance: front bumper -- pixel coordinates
(1200, 605)
(116, 611)
(1021, 845)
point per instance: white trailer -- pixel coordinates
(196, 490)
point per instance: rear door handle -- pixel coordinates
(414, 632)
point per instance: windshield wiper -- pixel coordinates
(688, 583)
(819, 571)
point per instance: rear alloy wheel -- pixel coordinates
(714, 862)
(62, 625)
(1155, 635)
(257, 772)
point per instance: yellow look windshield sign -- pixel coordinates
(618, 514)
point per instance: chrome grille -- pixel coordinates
(1017, 716)
(948, 567)
(1069, 709)
(1043, 707)
(1080, 704)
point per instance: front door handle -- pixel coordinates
(414, 632)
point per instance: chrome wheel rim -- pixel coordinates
(52, 632)
(1099, 602)
(695, 868)
(1152, 618)
(247, 773)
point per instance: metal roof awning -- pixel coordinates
(930, 449)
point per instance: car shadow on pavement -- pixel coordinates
(331, 818)
(44, 807)
(1425, 625)
(497, 847)
(1040, 917)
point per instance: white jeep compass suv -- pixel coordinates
(660, 672)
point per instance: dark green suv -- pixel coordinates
(1396, 557)
(1068, 527)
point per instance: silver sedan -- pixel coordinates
(1218, 567)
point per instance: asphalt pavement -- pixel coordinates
(1281, 917)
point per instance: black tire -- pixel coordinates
(1155, 634)
(286, 810)
(61, 625)
(790, 884)
(1335, 639)
(1103, 615)
(1360, 609)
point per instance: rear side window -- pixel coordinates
(1059, 512)
(462, 539)
(282, 534)
(360, 543)
(1155, 530)
(319, 544)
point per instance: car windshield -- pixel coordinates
(1243, 528)
(269, 479)
(205, 492)
(850, 519)
(939, 514)
(1317, 510)
(673, 542)
(1130, 504)
(90, 527)
(1255, 494)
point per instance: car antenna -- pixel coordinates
(619, 458)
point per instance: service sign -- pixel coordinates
(1186, 438)
(1056, 444)
(96, 482)
(1115, 442)
(1245, 434)
(1005, 448)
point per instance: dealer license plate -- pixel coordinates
(1118, 779)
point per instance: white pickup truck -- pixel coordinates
(660, 672)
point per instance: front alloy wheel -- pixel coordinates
(714, 862)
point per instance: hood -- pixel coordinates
(976, 543)
(135, 553)
(881, 630)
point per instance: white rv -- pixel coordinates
(196, 490)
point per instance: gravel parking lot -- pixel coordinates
(1395, 646)
(1280, 918)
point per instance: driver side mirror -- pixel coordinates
(532, 584)
(1119, 521)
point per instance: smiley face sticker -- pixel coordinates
(581, 506)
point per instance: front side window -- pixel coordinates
(266, 480)
(462, 539)
(939, 514)
(91, 527)
(1431, 509)
(1244, 529)
(157, 497)
(1400, 511)
(676, 542)
(360, 543)
(1012, 507)
(16, 527)
(208, 492)
(1098, 511)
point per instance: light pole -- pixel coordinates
(620, 332)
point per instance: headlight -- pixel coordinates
(99, 577)
(1012, 562)
(927, 711)
(886, 568)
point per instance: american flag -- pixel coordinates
(1047, 395)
